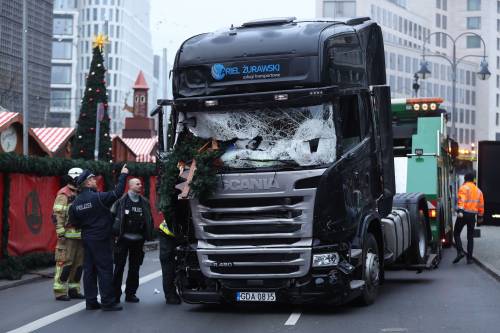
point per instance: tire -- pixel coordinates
(371, 270)
(419, 249)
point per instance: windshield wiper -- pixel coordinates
(285, 162)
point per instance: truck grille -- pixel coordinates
(255, 263)
(247, 233)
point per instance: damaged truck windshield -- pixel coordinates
(268, 136)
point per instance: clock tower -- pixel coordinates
(140, 96)
(139, 125)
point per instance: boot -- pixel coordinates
(93, 306)
(112, 307)
(73, 293)
(63, 298)
(173, 298)
(459, 257)
(131, 299)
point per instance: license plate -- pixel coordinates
(255, 296)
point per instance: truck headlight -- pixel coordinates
(325, 259)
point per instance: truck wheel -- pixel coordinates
(371, 270)
(420, 243)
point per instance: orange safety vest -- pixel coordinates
(470, 199)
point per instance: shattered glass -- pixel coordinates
(266, 137)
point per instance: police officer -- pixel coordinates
(91, 211)
(69, 248)
(168, 243)
(133, 225)
(470, 205)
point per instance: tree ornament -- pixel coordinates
(90, 89)
(93, 73)
(98, 65)
(79, 137)
(98, 90)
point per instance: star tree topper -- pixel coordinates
(99, 41)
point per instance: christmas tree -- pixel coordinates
(95, 94)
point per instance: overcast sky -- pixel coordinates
(173, 21)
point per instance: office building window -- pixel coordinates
(473, 42)
(474, 22)
(438, 20)
(438, 39)
(473, 97)
(117, 12)
(63, 25)
(497, 118)
(498, 100)
(462, 116)
(461, 135)
(408, 64)
(467, 98)
(339, 8)
(61, 74)
(103, 14)
(445, 4)
(473, 117)
(467, 77)
(467, 116)
(473, 136)
(473, 4)
(444, 22)
(64, 4)
(400, 63)
(60, 98)
(94, 14)
(466, 136)
(62, 49)
(438, 4)
(498, 7)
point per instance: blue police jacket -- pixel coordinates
(90, 211)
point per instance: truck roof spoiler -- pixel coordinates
(268, 21)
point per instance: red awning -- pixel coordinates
(142, 148)
(7, 118)
(52, 138)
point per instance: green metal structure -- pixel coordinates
(424, 157)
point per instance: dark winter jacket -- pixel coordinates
(118, 211)
(91, 211)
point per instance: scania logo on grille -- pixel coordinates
(250, 184)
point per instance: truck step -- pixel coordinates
(356, 284)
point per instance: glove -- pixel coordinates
(480, 220)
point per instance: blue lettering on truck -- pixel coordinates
(245, 72)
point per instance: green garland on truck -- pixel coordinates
(204, 180)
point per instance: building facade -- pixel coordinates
(39, 55)
(126, 24)
(405, 25)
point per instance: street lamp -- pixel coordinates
(425, 72)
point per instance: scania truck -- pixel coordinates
(305, 208)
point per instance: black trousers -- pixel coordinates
(135, 253)
(468, 220)
(168, 262)
(98, 268)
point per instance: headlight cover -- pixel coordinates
(325, 259)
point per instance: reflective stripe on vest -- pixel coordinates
(164, 228)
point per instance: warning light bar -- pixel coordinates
(424, 104)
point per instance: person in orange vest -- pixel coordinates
(470, 206)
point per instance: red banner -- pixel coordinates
(1, 214)
(30, 214)
(157, 215)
